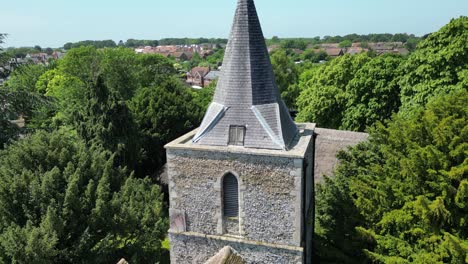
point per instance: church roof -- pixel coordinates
(328, 144)
(246, 94)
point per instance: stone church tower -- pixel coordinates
(244, 179)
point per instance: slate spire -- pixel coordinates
(246, 95)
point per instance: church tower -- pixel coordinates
(244, 178)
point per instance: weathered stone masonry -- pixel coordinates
(271, 200)
(267, 193)
(201, 248)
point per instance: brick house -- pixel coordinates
(196, 77)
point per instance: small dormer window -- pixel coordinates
(236, 135)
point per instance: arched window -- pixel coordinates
(230, 196)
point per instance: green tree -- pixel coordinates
(64, 202)
(313, 55)
(286, 77)
(49, 51)
(195, 61)
(133, 43)
(350, 92)
(14, 104)
(294, 44)
(216, 58)
(162, 113)
(346, 43)
(373, 94)
(402, 196)
(99, 44)
(151, 68)
(10, 106)
(435, 66)
(25, 77)
(93, 87)
(105, 119)
(323, 96)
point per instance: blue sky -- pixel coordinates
(55, 22)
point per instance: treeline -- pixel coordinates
(409, 40)
(299, 43)
(133, 43)
(401, 197)
(23, 51)
(79, 182)
(190, 41)
(94, 43)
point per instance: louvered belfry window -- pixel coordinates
(230, 196)
(236, 135)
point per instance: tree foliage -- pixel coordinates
(438, 65)
(105, 119)
(351, 92)
(402, 196)
(109, 112)
(25, 77)
(94, 43)
(14, 104)
(373, 94)
(94, 87)
(354, 92)
(162, 113)
(286, 76)
(324, 93)
(64, 202)
(10, 107)
(313, 56)
(409, 40)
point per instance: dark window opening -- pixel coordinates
(236, 135)
(230, 196)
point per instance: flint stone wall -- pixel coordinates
(270, 194)
(197, 250)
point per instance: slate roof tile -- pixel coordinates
(247, 90)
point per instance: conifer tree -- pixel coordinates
(402, 196)
(62, 201)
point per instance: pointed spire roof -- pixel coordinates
(247, 94)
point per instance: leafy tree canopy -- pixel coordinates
(323, 96)
(95, 43)
(373, 94)
(14, 104)
(64, 202)
(109, 109)
(25, 77)
(437, 66)
(402, 196)
(351, 92)
(313, 55)
(162, 113)
(286, 76)
(93, 90)
(346, 43)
